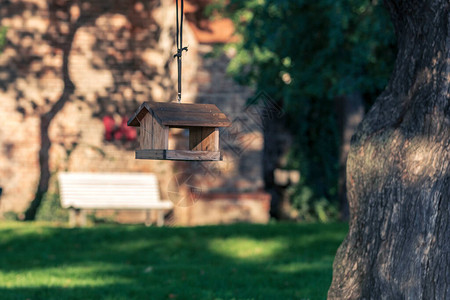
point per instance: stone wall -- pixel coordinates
(119, 54)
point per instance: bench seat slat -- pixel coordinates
(111, 191)
(101, 191)
(92, 205)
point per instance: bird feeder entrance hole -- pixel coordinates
(201, 121)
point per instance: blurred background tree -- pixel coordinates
(322, 61)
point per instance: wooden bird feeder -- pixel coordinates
(155, 119)
(202, 121)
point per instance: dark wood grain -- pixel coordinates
(195, 138)
(151, 154)
(193, 155)
(199, 119)
(182, 114)
(184, 155)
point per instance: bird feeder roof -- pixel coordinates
(181, 114)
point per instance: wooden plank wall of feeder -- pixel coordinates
(203, 139)
(153, 135)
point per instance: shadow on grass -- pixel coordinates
(284, 261)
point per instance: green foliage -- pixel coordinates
(3, 31)
(11, 216)
(305, 54)
(279, 261)
(50, 209)
(311, 209)
(92, 218)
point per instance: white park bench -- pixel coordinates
(93, 191)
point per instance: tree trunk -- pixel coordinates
(398, 172)
(46, 119)
(275, 142)
(350, 113)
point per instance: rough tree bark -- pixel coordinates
(398, 171)
(350, 113)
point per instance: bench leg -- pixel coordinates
(160, 221)
(72, 217)
(77, 217)
(82, 218)
(148, 219)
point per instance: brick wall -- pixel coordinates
(121, 55)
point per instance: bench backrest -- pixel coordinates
(110, 191)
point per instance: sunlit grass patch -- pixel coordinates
(246, 249)
(277, 261)
(94, 274)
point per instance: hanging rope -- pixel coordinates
(180, 47)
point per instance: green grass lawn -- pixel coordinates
(278, 261)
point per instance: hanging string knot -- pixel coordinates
(180, 52)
